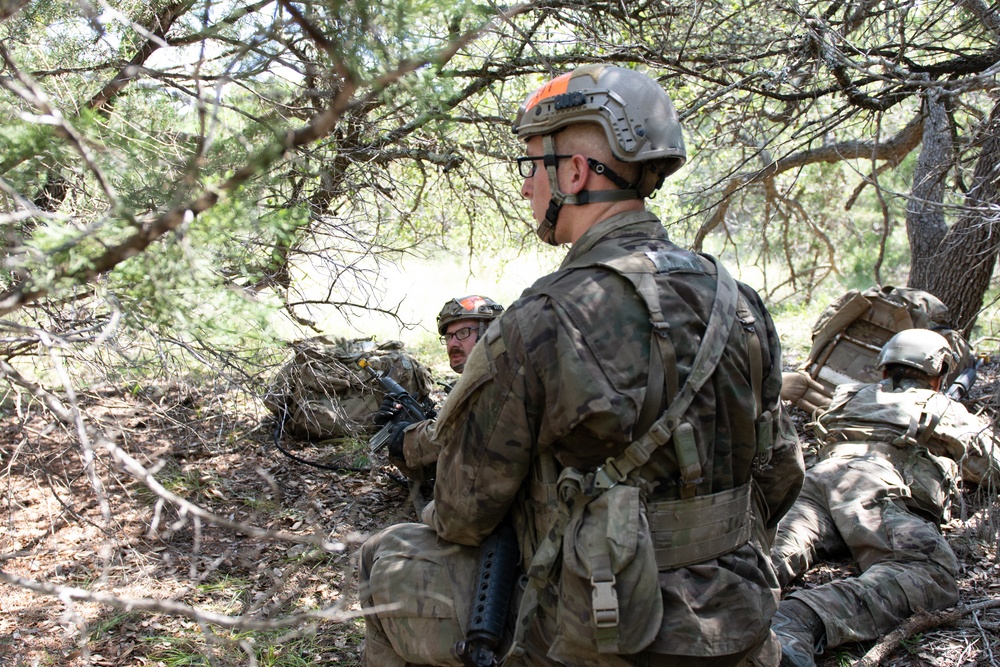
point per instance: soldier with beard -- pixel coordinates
(461, 323)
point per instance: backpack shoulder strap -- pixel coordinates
(616, 470)
(669, 425)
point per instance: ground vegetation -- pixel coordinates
(209, 547)
(188, 186)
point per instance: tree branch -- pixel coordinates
(892, 151)
(159, 26)
(987, 15)
(920, 622)
(155, 605)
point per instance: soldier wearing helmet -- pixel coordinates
(642, 142)
(632, 394)
(892, 453)
(461, 322)
(926, 351)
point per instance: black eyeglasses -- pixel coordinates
(458, 334)
(527, 165)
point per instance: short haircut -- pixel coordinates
(899, 372)
(590, 140)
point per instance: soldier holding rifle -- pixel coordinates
(623, 416)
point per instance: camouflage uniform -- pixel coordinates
(564, 372)
(881, 487)
(419, 450)
(418, 460)
(417, 454)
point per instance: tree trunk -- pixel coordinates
(965, 258)
(925, 221)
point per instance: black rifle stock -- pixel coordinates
(498, 563)
(960, 388)
(411, 412)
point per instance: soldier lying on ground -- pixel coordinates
(891, 454)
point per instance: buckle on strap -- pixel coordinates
(608, 475)
(604, 602)
(660, 432)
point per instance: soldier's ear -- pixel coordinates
(577, 170)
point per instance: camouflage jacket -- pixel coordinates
(419, 449)
(564, 371)
(876, 412)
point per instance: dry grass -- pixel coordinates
(217, 451)
(219, 455)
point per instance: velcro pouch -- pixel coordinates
(609, 594)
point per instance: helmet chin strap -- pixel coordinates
(546, 229)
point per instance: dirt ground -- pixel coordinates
(72, 518)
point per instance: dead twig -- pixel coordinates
(919, 622)
(67, 594)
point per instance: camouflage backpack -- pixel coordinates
(849, 334)
(323, 393)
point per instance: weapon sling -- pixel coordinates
(668, 426)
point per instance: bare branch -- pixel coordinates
(154, 605)
(920, 622)
(158, 27)
(985, 14)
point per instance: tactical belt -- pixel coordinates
(668, 427)
(697, 529)
(849, 449)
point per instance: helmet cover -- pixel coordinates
(923, 349)
(472, 307)
(634, 111)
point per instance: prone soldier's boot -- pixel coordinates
(800, 632)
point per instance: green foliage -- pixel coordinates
(794, 322)
(416, 163)
(843, 657)
(987, 330)
(176, 291)
(912, 644)
(860, 258)
(226, 593)
(20, 141)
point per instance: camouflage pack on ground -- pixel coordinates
(325, 394)
(849, 334)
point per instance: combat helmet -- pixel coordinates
(923, 349)
(638, 119)
(472, 307)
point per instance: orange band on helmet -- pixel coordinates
(472, 302)
(556, 86)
